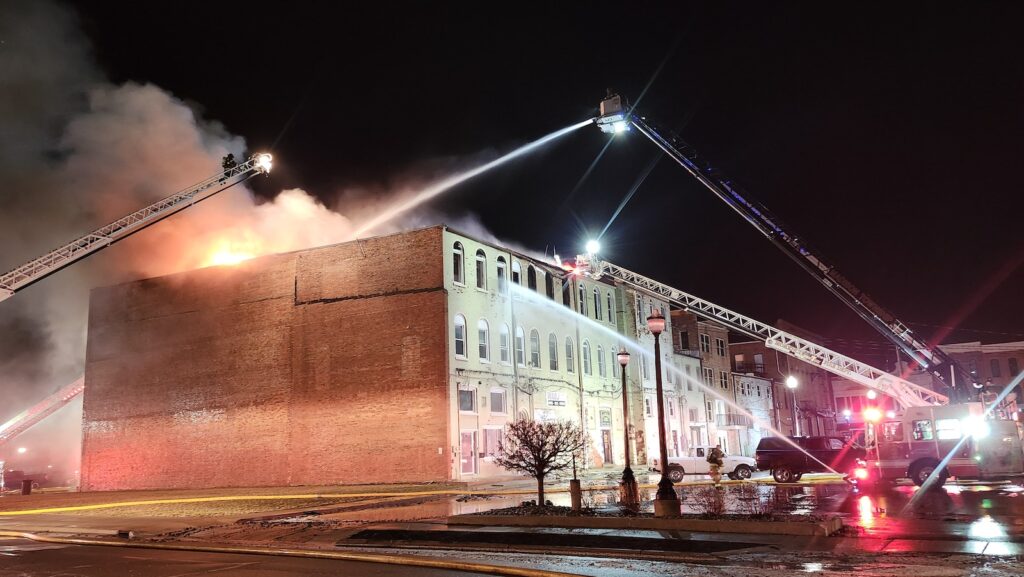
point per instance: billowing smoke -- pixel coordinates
(77, 152)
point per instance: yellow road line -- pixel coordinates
(404, 560)
(312, 496)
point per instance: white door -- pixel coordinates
(468, 452)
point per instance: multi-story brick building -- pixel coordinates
(396, 358)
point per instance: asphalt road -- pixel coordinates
(22, 558)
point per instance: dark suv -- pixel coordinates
(788, 463)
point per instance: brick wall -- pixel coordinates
(291, 369)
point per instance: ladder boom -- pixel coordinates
(26, 419)
(615, 117)
(53, 261)
(904, 392)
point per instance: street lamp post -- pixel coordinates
(791, 384)
(629, 492)
(666, 502)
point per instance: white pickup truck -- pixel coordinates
(696, 463)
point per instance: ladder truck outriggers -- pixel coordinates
(35, 270)
(918, 441)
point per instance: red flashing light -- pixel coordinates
(860, 473)
(872, 414)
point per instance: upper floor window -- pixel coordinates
(583, 299)
(720, 347)
(994, 369)
(570, 356)
(566, 293)
(644, 371)
(723, 379)
(586, 358)
(601, 370)
(611, 308)
(520, 346)
(614, 360)
(498, 401)
(481, 270)
(709, 376)
(549, 285)
(1011, 364)
(467, 400)
(458, 272)
(648, 409)
(502, 280)
(705, 343)
(484, 339)
(516, 271)
(552, 352)
(597, 303)
(531, 278)
(460, 336)
(503, 345)
(535, 349)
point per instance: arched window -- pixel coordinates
(503, 345)
(549, 285)
(597, 303)
(552, 352)
(586, 358)
(614, 358)
(566, 294)
(516, 270)
(535, 349)
(611, 309)
(458, 272)
(570, 356)
(643, 367)
(600, 362)
(583, 299)
(502, 280)
(481, 270)
(531, 278)
(483, 334)
(520, 346)
(460, 336)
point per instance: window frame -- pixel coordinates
(570, 355)
(473, 398)
(535, 356)
(720, 346)
(520, 347)
(602, 370)
(585, 353)
(481, 269)
(505, 345)
(458, 264)
(705, 343)
(504, 400)
(552, 352)
(502, 271)
(483, 335)
(455, 333)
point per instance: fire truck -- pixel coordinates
(940, 441)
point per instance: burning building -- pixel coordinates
(398, 358)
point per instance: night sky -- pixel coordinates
(890, 140)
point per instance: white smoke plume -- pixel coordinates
(77, 152)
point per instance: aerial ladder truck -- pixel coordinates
(616, 117)
(928, 439)
(35, 270)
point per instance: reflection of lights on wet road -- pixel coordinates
(866, 509)
(986, 528)
(813, 567)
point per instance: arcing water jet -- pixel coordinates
(443, 185)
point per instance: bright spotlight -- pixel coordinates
(620, 126)
(22, 450)
(872, 415)
(872, 395)
(791, 382)
(264, 162)
(976, 427)
(890, 414)
(847, 413)
(593, 247)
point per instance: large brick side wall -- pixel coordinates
(317, 367)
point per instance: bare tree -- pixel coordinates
(538, 449)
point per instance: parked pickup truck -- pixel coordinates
(696, 463)
(788, 460)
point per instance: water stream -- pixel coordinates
(447, 183)
(635, 346)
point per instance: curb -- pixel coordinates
(408, 561)
(822, 528)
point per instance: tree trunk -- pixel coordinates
(540, 490)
